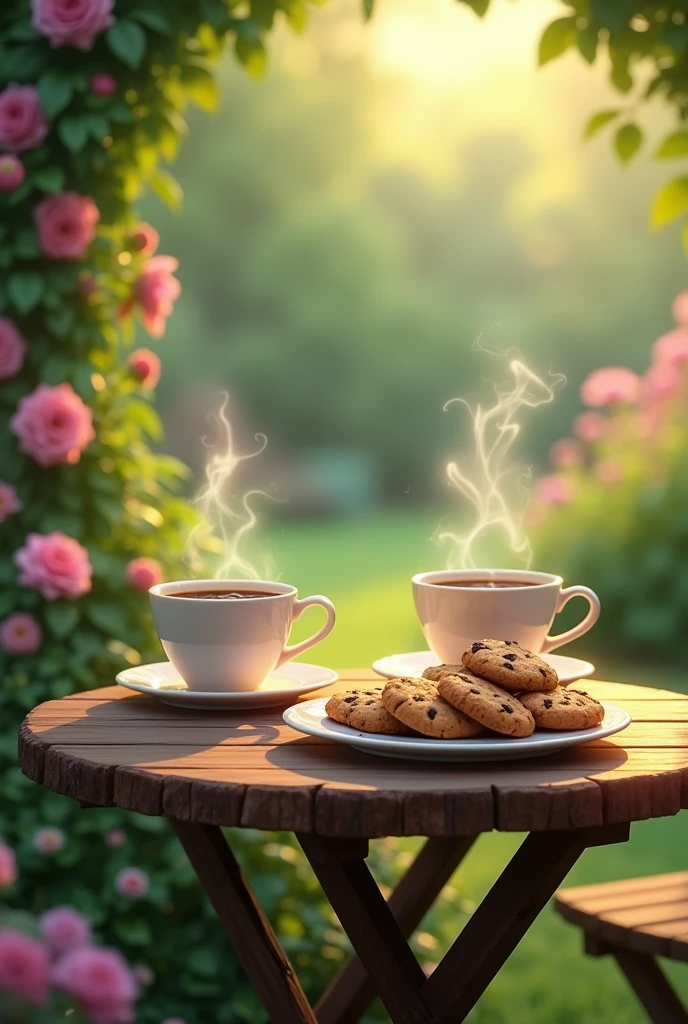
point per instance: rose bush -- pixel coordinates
(618, 494)
(92, 98)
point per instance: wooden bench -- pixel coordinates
(636, 920)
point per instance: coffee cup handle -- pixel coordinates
(552, 642)
(297, 610)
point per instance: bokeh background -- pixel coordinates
(385, 195)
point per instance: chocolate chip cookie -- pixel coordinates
(563, 709)
(436, 672)
(417, 703)
(363, 710)
(487, 703)
(509, 665)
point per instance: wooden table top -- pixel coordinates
(111, 747)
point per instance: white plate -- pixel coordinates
(310, 717)
(415, 662)
(161, 680)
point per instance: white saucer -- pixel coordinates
(310, 717)
(161, 680)
(414, 664)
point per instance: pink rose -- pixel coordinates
(662, 381)
(66, 225)
(8, 866)
(22, 121)
(608, 471)
(55, 564)
(566, 453)
(679, 308)
(100, 981)
(132, 882)
(115, 837)
(24, 967)
(9, 501)
(145, 366)
(103, 85)
(12, 349)
(590, 426)
(63, 929)
(144, 573)
(53, 425)
(145, 239)
(12, 172)
(555, 490)
(610, 386)
(20, 634)
(672, 347)
(48, 840)
(156, 291)
(72, 22)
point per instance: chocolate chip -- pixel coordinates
(507, 707)
(543, 672)
(566, 702)
(507, 664)
(417, 697)
(349, 700)
(547, 703)
(529, 655)
(478, 647)
(510, 657)
(511, 643)
(475, 691)
(432, 713)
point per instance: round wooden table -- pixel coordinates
(204, 770)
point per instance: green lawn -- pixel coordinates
(364, 565)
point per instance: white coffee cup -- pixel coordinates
(453, 617)
(231, 645)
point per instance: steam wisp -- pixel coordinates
(226, 519)
(496, 490)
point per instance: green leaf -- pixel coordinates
(55, 369)
(675, 144)
(22, 63)
(133, 931)
(670, 202)
(612, 14)
(479, 6)
(73, 131)
(598, 121)
(621, 76)
(145, 416)
(168, 189)
(98, 126)
(127, 40)
(153, 18)
(49, 179)
(684, 237)
(368, 8)
(55, 92)
(252, 55)
(200, 86)
(587, 43)
(61, 321)
(557, 38)
(61, 617)
(26, 243)
(627, 142)
(108, 616)
(25, 289)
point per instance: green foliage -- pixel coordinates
(634, 33)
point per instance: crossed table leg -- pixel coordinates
(384, 964)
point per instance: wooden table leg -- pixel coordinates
(528, 882)
(375, 935)
(646, 978)
(250, 932)
(348, 995)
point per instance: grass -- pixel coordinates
(364, 565)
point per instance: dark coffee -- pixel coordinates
(489, 584)
(222, 595)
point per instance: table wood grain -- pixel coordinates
(111, 747)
